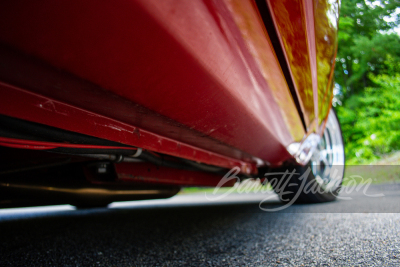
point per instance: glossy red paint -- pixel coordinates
(4, 141)
(51, 112)
(252, 29)
(326, 31)
(193, 79)
(17, 69)
(294, 21)
(147, 173)
(184, 60)
(308, 33)
(311, 41)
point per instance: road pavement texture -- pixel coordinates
(193, 231)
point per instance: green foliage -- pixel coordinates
(368, 74)
(364, 43)
(371, 120)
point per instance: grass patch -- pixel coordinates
(377, 173)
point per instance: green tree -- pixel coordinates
(368, 73)
(371, 120)
(364, 43)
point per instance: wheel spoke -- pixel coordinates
(329, 153)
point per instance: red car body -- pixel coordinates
(223, 83)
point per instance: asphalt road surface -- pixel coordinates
(190, 230)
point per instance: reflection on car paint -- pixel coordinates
(326, 27)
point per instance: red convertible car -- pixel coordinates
(104, 101)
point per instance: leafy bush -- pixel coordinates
(371, 120)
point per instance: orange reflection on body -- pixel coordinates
(259, 45)
(289, 18)
(326, 27)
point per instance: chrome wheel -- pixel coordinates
(327, 161)
(319, 167)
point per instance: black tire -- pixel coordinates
(319, 180)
